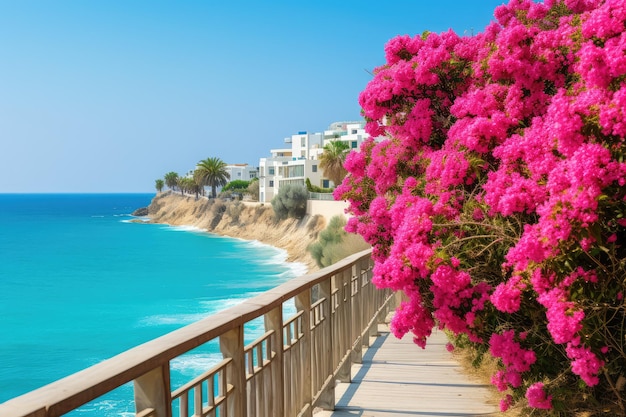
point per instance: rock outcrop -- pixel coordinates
(142, 211)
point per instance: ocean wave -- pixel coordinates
(194, 363)
(108, 408)
(214, 306)
(206, 308)
(171, 319)
(296, 269)
(135, 220)
(184, 228)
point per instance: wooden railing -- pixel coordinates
(288, 371)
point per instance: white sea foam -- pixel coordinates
(185, 228)
(135, 220)
(194, 363)
(205, 307)
(213, 306)
(108, 407)
(298, 269)
(295, 269)
(171, 319)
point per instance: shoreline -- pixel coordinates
(240, 221)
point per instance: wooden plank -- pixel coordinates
(397, 378)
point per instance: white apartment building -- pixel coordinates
(353, 133)
(242, 172)
(294, 164)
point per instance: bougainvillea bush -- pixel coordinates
(494, 195)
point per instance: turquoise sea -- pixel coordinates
(80, 282)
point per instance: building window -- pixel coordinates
(292, 171)
(353, 144)
(239, 174)
(271, 171)
(314, 168)
(303, 141)
(271, 183)
(325, 183)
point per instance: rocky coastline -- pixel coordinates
(250, 221)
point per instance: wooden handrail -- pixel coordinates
(297, 374)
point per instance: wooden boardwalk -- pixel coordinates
(397, 378)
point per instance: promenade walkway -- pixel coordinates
(397, 379)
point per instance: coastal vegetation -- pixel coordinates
(159, 184)
(332, 159)
(496, 200)
(238, 186)
(189, 185)
(212, 172)
(171, 180)
(334, 243)
(290, 202)
(315, 189)
(253, 189)
(208, 172)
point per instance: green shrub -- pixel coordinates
(334, 243)
(315, 189)
(290, 201)
(253, 189)
(237, 185)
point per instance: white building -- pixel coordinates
(353, 133)
(290, 165)
(242, 172)
(299, 161)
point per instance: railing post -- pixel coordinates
(357, 308)
(152, 391)
(327, 397)
(231, 346)
(344, 283)
(274, 321)
(303, 303)
(377, 298)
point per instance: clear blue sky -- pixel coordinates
(108, 96)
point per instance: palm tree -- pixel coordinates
(182, 184)
(211, 172)
(171, 180)
(159, 185)
(331, 160)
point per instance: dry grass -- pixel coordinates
(489, 366)
(482, 374)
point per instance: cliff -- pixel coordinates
(250, 221)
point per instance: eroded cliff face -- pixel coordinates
(250, 221)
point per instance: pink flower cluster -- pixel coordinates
(537, 398)
(515, 359)
(524, 125)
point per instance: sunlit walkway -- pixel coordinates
(397, 378)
